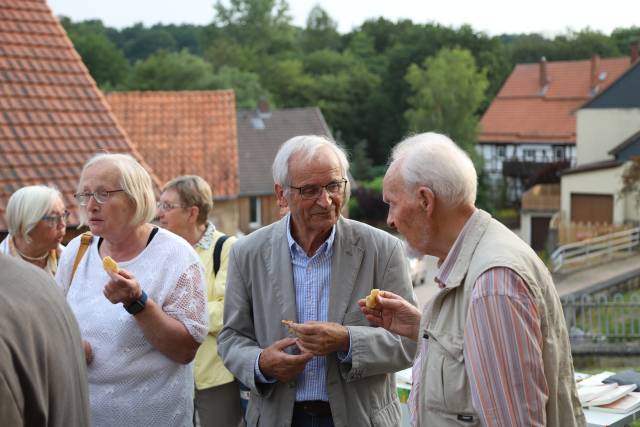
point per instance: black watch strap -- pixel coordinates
(138, 305)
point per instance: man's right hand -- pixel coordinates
(275, 363)
(393, 313)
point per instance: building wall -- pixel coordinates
(269, 212)
(605, 181)
(495, 154)
(631, 209)
(525, 222)
(225, 215)
(601, 129)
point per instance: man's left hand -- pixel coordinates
(321, 338)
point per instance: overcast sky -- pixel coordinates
(494, 17)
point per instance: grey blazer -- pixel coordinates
(260, 293)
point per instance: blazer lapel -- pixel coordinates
(347, 257)
(278, 263)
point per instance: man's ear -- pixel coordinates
(282, 201)
(427, 200)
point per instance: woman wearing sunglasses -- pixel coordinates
(37, 221)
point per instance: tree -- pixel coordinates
(172, 71)
(245, 84)
(321, 31)
(105, 62)
(447, 93)
(625, 37)
(263, 24)
(148, 41)
(360, 162)
(631, 180)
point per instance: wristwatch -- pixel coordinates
(138, 305)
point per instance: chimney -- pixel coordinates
(544, 76)
(263, 106)
(634, 52)
(595, 68)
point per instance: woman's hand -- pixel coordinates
(123, 287)
(393, 313)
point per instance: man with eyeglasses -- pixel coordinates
(324, 365)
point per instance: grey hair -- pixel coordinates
(308, 145)
(27, 206)
(434, 160)
(193, 191)
(134, 180)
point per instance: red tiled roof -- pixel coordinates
(520, 114)
(186, 132)
(52, 115)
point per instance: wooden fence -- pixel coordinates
(594, 250)
(578, 231)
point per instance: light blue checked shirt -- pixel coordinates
(312, 281)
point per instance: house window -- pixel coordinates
(529, 154)
(501, 151)
(559, 153)
(255, 219)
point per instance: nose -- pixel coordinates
(324, 199)
(92, 204)
(391, 221)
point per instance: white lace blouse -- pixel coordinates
(130, 382)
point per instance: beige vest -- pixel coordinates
(444, 395)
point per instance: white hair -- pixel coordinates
(307, 145)
(435, 161)
(27, 206)
(134, 180)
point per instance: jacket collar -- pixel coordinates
(454, 268)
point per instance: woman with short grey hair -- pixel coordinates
(184, 207)
(37, 219)
(144, 312)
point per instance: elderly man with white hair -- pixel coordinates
(324, 365)
(493, 344)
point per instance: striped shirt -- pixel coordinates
(312, 281)
(502, 346)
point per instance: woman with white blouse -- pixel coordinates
(144, 323)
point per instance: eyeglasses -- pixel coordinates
(313, 191)
(164, 206)
(54, 220)
(100, 196)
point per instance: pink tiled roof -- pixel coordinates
(185, 132)
(520, 114)
(52, 115)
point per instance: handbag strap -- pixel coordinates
(85, 242)
(217, 252)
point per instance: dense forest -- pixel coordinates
(375, 84)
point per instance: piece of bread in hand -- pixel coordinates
(109, 264)
(371, 301)
(289, 323)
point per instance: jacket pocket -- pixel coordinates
(388, 416)
(253, 410)
(447, 385)
(355, 318)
